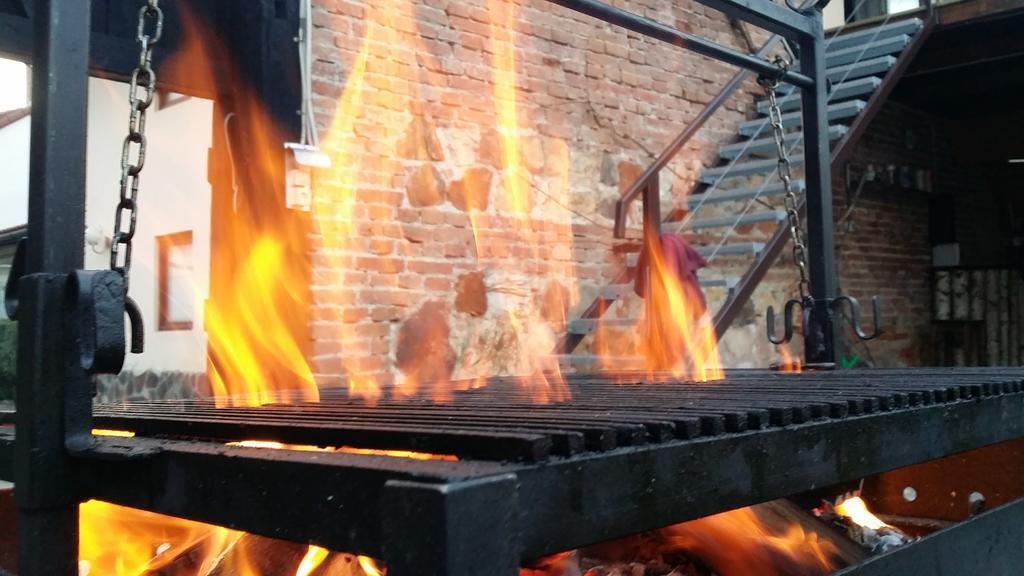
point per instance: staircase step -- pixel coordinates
(731, 220)
(863, 52)
(872, 67)
(584, 326)
(741, 194)
(592, 361)
(839, 111)
(874, 34)
(623, 291)
(737, 249)
(749, 168)
(766, 146)
(731, 249)
(840, 92)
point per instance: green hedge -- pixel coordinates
(8, 343)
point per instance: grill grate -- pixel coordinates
(499, 422)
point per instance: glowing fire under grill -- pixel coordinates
(489, 443)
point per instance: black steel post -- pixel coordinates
(821, 337)
(652, 242)
(461, 529)
(44, 471)
(703, 46)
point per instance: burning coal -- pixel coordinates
(863, 527)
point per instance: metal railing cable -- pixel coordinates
(796, 143)
(733, 161)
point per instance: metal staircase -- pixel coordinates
(732, 202)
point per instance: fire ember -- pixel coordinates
(862, 526)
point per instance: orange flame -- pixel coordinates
(681, 339)
(253, 330)
(314, 557)
(857, 511)
(366, 104)
(740, 543)
(274, 445)
(369, 566)
(246, 333)
(384, 101)
(113, 433)
(790, 362)
(117, 541)
(503, 38)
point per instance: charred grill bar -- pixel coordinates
(530, 480)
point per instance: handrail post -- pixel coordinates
(651, 243)
(821, 337)
(652, 209)
(624, 202)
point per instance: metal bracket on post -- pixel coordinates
(822, 338)
(458, 529)
(812, 332)
(97, 304)
(11, 289)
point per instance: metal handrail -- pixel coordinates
(840, 153)
(666, 156)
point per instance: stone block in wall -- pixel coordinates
(471, 294)
(423, 353)
(425, 186)
(473, 190)
(421, 141)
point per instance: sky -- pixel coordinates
(13, 85)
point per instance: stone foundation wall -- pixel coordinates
(132, 387)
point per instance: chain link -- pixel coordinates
(133, 150)
(785, 171)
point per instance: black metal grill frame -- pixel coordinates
(436, 518)
(492, 513)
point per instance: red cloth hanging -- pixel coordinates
(682, 261)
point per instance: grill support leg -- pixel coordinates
(821, 337)
(462, 529)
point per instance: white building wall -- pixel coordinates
(14, 173)
(174, 196)
(834, 15)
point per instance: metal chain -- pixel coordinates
(150, 28)
(771, 84)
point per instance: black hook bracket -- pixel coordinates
(854, 318)
(787, 320)
(835, 305)
(98, 307)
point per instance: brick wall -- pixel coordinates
(451, 242)
(426, 259)
(883, 246)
